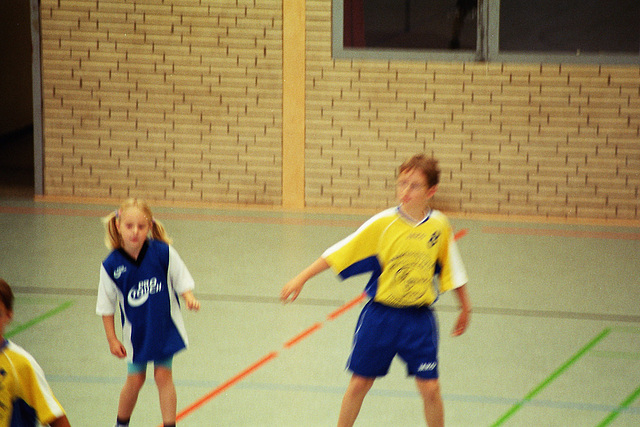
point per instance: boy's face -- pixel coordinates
(413, 192)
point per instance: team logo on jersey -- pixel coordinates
(118, 271)
(139, 295)
(434, 239)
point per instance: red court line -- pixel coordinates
(460, 234)
(347, 306)
(313, 328)
(302, 335)
(562, 233)
(228, 384)
(213, 393)
(212, 217)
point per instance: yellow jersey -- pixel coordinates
(23, 388)
(411, 263)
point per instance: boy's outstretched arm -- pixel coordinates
(63, 421)
(465, 311)
(294, 286)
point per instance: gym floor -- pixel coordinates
(554, 338)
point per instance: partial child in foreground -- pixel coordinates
(25, 395)
(412, 255)
(144, 275)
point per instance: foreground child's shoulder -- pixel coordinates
(438, 216)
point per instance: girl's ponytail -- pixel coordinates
(112, 236)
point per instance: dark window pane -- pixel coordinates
(589, 26)
(410, 24)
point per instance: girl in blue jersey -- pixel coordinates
(144, 275)
(412, 256)
(25, 395)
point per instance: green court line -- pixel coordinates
(552, 377)
(19, 328)
(625, 404)
(617, 354)
(626, 329)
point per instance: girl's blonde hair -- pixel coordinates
(112, 238)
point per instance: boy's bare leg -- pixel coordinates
(167, 393)
(433, 407)
(129, 395)
(352, 401)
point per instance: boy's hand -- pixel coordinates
(291, 289)
(462, 323)
(465, 311)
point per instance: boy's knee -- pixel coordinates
(429, 389)
(360, 385)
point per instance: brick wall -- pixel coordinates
(181, 100)
(550, 140)
(175, 100)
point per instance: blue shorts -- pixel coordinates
(140, 367)
(383, 331)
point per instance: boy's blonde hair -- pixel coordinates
(427, 165)
(112, 238)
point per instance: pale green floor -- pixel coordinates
(554, 340)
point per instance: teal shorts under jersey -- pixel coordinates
(136, 368)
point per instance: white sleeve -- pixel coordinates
(458, 272)
(179, 276)
(107, 294)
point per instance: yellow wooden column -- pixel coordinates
(293, 103)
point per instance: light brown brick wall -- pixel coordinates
(181, 100)
(551, 140)
(173, 100)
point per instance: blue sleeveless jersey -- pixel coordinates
(146, 290)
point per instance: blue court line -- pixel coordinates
(24, 326)
(339, 390)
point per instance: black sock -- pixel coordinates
(170, 425)
(122, 423)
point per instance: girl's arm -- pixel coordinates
(294, 286)
(116, 347)
(465, 311)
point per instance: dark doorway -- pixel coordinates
(16, 108)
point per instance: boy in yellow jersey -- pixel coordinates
(25, 395)
(412, 255)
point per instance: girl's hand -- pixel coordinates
(191, 301)
(117, 349)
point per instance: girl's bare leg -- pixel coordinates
(167, 393)
(129, 395)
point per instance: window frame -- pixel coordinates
(487, 46)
